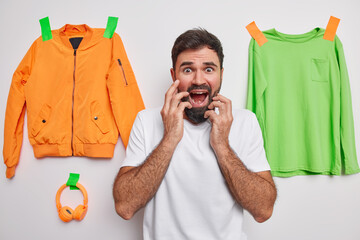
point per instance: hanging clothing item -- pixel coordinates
(299, 90)
(79, 91)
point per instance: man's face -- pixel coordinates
(199, 73)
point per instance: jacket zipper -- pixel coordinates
(122, 69)
(72, 107)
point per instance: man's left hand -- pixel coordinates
(221, 123)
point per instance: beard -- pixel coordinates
(196, 114)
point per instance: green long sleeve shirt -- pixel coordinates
(299, 90)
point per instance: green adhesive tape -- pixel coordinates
(45, 29)
(110, 27)
(72, 181)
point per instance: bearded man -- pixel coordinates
(195, 163)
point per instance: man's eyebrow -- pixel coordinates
(186, 63)
(205, 63)
(210, 64)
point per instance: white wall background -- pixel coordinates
(308, 207)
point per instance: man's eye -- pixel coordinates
(187, 70)
(208, 69)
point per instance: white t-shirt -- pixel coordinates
(193, 200)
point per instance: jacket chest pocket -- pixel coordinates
(98, 117)
(41, 120)
(319, 70)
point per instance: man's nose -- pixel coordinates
(199, 78)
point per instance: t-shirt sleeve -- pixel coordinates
(135, 151)
(255, 157)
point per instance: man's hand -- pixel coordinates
(172, 114)
(135, 186)
(221, 123)
(255, 192)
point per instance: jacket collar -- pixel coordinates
(69, 30)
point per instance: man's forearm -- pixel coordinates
(252, 191)
(134, 188)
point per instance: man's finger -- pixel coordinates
(184, 105)
(221, 98)
(215, 104)
(176, 99)
(224, 109)
(211, 114)
(227, 105)
(169, 94)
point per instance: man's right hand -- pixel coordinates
(172, 114)
(135, 186)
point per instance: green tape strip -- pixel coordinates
(45, 29)
(110, 27)
(72, 181)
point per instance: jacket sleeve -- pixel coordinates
(125, 97)
(347, 135)
(15, 112)
(257, 84)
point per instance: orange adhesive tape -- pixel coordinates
(331, 28)
(256, 33)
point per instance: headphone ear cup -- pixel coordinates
(66, 214)
(80, 212)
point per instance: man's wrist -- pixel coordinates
(221, 148)
(169, 143)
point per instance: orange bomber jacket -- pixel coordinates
(78, 98)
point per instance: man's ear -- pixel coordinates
(173, 75)
(221, 76)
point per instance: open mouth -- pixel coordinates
(199, 97)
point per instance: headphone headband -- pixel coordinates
(78, 185)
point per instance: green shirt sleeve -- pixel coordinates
(347, 136)
(256, 84)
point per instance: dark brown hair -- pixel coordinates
(195, 39)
